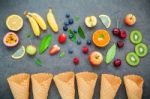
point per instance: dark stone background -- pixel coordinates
(55, 65)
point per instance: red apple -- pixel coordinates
(130, 19)
(95, 58)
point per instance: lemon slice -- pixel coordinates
(19, 53)
(105, 20)
(14, 22)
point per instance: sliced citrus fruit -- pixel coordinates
(101, 38)
(105, 20)
(19, 53)
(14, 22)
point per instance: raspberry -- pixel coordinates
(85, 49)
(76, 60)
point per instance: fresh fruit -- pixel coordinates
(10, 39)
(120, 44)
(105, 20)
(52, 21)
(39, 20)
(70, 21)
(54, 49)
(34, 25)
(122, 34)
(116, 31)
(70, 51)
(88, 42)
(130, 19)
(14, 22)
(136, 37)
(19, 53)
(31, 50)
(132, 59)
(141, 49)
(117, 62)
(62, 38)
(65, 28)
(78, 41)
(76, 60)
(85, 49)
(95, 58)
(101, 38)
(90, 21)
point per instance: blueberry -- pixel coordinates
(70, 21)
(88, 42)
(75, 31)
(70, 51)
(67, 15)
(70, 36)
(66, 23)
(65, 28)
(78, 41)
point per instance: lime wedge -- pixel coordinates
(105, 20)
(19, 53)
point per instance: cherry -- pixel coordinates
(122, 34)
(120, 44)
(116, 31)
(117, 62)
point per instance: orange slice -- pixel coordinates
(101, 38)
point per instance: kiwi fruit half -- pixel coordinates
(135, 37)
(132, 59)
(141, 49)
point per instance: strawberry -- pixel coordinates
(62, 38)
(54, 49)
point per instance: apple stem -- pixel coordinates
(117, 21)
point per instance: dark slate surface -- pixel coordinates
(55, 65)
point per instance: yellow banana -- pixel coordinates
(39, 20)
(34, 25)
(51, 20)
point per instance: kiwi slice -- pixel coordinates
(132, 59)
(135, 37)
(141, 49)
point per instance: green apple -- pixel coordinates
(31, 50)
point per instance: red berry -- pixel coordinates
(122, 34)
(116, 31)
(117, 63)
(76, 60)
(120, 44)
(85, 49)
(62, 38)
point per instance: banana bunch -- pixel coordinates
(52, 21)
(36, 22)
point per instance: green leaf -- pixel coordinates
(45, 42)
(81, 32)
(74, 38)
(62, 54)
(111, 54)
(38, 61)
(28, 35)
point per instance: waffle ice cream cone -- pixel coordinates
(19, 85)
(86, 82)
(65, 85)
(134, 86)
(109, 86)
(40, 85)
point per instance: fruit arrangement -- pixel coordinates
(100, 38)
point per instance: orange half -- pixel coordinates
(101, 38)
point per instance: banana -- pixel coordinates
(51, 20)
(90, 21)
(39, 20)
(34, 25)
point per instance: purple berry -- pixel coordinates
(117, 62)
(120, 44)
(70, 21)
(65, 28)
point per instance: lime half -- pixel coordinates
(105, 20)
(19, 53)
